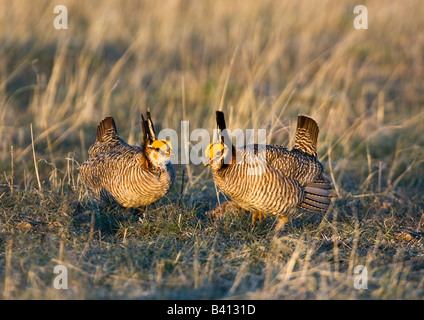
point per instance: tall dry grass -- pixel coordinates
(363, 86)
(262, 62)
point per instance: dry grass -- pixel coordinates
(263, 62)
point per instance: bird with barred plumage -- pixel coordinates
(269, 179)
(133, 176)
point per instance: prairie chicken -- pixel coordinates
(271, 180)
(133, 176)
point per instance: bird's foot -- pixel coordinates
(256, 215)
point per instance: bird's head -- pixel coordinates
(159, 151)
(214, 154)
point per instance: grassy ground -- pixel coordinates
(263, 62)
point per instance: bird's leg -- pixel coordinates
(283, 220)
(256, 215)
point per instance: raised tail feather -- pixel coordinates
(318, 195)
(306, 135)
(106, 127)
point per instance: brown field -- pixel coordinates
(263, 63)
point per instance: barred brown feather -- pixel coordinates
(123, 173)
(106, 128)
(306, 135)
(273, 180)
